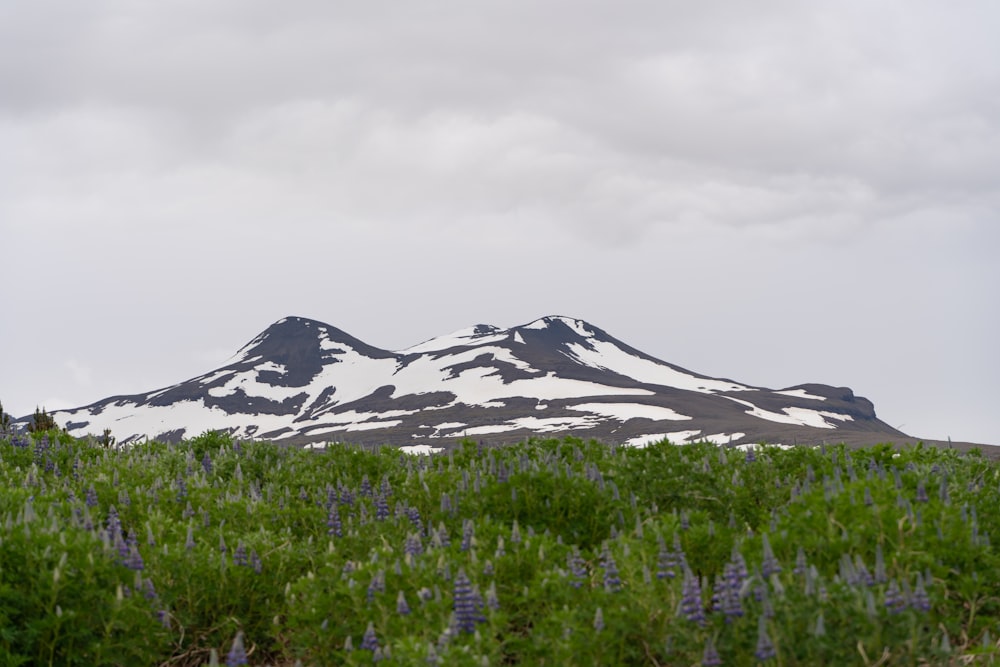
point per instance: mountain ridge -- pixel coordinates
(304, 381)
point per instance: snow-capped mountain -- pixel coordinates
(304, 381)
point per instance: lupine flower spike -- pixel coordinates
(237, 654)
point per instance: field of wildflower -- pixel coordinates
(545, 552)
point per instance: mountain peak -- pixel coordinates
(294, 340)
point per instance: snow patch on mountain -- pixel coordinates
(795, 415)
(604, 355)
(535, 424)
(682, 438)
(479, 334)
(625, 411)
(800, 393)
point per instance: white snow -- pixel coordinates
(537, 424)
(247, 381)
(682, 438)
(625, 411)
(723, 438)
(575, 325)
(800, 393)
(800, 416)
(191, 416)
(369, 426)
(677, 437)
(421, 449)
(759, 447)
(608, 356)
(450, 426)
(484, 385)
(518, 338)
(466, 336)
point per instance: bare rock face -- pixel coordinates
(303, 381)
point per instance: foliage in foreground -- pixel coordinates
(541, 553)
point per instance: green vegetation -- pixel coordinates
(548, 552)
(41, 421)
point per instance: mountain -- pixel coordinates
(301, 381)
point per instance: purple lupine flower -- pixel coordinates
(413, 546)
(366, 487)
(442, 535)
(679, 556)
(895, 602)
(402, 607)
(240, 555)
(413, 514)
(691, 605)
(726, 596)
(515, 533)
(189, 543)
(765, 647)
(922, 496)
(91, 497)
(598, 620)
(577, 568)
(334, 526)
(222, 545)
(255, 562)
(121, 546)
(381, 507)
(919, 600)
(467, 613)
(181, 489)
(150, 590)
(134, 560)
(376, 585)
(869, 501)
(384, 488)
(710, 656)
(206, 463)
(864, 576)
(751, 455)
(612, 582)
(665, 562)
(468, 530)
(113, 523)
(491, 596)
(237, 653)
(801, 565)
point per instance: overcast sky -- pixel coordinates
(775, 192)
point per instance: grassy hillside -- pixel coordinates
(540, 553)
